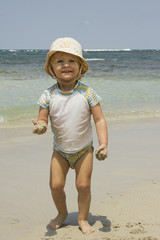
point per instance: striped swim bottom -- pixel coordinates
(73, 157)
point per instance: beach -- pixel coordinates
(125, 187)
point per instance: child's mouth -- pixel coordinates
(66, 71)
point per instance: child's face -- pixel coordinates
(65, 67)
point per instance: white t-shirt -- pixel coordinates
(70, 116)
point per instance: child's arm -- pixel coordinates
(40, 126)
(101, 127)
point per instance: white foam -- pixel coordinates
(2, 120)
(106, 50)
(95, 59)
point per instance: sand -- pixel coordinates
(125, 187)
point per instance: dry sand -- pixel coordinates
(125, 187)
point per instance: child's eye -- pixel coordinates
(72, 61)
(59, 61)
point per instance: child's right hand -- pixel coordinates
(40, 127)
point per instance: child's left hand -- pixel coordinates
(101, 153)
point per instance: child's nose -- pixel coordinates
(66, 63)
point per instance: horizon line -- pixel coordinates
(85, 49)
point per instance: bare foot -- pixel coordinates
(85, 227)
(58, 221)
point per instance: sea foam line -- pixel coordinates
(95, 59)
(2, 120)
(106, 50)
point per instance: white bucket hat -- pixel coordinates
(67, 45)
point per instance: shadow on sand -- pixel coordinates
(71, 220)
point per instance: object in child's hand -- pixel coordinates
(40, 127)
(102, 154)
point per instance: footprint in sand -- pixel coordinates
(116, 227)
(138, 231)
(15, 221)
(130, 225)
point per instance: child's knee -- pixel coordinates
(83, 187)
(56, 187)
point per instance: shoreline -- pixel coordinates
(27, 122)
(125, 187)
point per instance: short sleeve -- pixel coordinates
(44, 100)
(93, 98)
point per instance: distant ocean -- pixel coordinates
(127, 80)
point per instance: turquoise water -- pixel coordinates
(128, 82)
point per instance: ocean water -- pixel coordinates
(127, 80)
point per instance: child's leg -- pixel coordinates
(83, 169)
(58, 172)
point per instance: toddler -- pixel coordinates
(70, 104)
